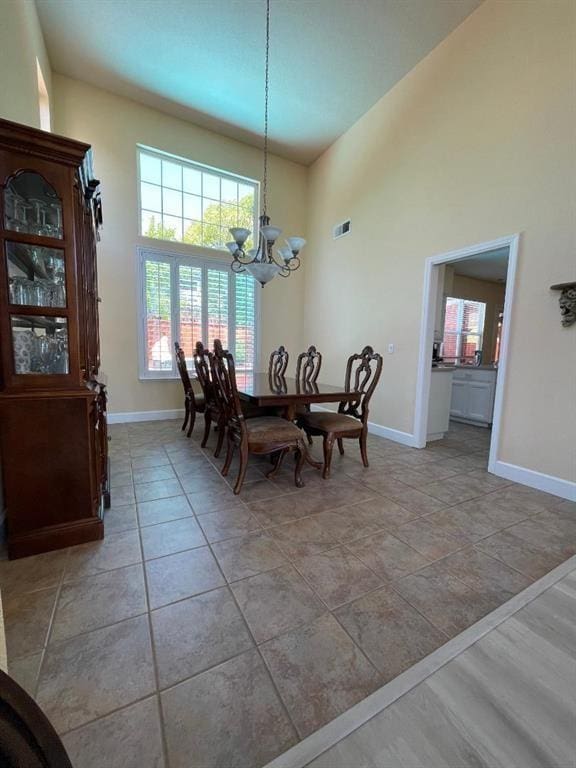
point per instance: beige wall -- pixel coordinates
(114, 126)
(475, 143)
(21, 43)
(491, 293)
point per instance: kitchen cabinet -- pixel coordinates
(473, 391)
(53, 438)
(439, 403)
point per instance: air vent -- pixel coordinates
(341, 229)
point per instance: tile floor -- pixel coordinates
(211, 630)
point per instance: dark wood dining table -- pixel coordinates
(264, 390)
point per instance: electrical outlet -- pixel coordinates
(390, 349)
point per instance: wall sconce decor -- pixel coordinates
(567, 302)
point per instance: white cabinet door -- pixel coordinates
(459, 402)
(480, 401)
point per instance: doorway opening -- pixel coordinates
(464, 344)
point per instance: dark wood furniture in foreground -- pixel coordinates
(259, 435)
(52, 406)
(362, 374)
(27, 738)
(193, 403)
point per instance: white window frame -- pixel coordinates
(175, 259)
(198, 167)
(459, 332)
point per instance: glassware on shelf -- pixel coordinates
(36, 275)
(32, 206)
(40, 345)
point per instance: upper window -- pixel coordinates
(189, 299)
(191, 203)
(463, 329)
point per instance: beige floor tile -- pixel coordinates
(129, 738)
(182, 575)
(96, 601)
(247, 556)
(227, 717)
(212, 500)
(192, 635)
(432, 537)
(163, 510)
(147, 462)
(114, 551)
(411, 499)
(319, 672)
(168, 538)
(154, 474)
(27, 620)
(484, 575)
(390, 631)
(120, 478)
(275, 602)
(387, 556)
(122, 495)
(25, 672)
(28, 574)
(120, 519)
(372, 516)
(420, 476)
(455, 490)
(228, 523)
(160, 489)
(310, 535)
(295, 506)
(113, 664)
(445, 600)
(337, 576)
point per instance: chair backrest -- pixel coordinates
(182, 368)
(308, 367)
(362, 374)
(278, 362)
(224, 378)
(202, 365)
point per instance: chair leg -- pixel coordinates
(207, 423)
(363, 451)
(341, 446)
(221, 434)
(328, 445)
(186, 413)
(310, 441)
(300, 457)
(192, 420)
(278, 459)
(243, 468)
(229, 455)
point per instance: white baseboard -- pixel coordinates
(547, 483)
(129, 416)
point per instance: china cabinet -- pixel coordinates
(52, 405)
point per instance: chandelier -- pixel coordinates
(260, 262)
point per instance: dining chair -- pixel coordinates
(278, 363)
(258, 435)
(308, 367)
(193, 402)
(213, 412)
(351, 421)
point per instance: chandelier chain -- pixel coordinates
(266, 97)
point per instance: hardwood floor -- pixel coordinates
(508, 701)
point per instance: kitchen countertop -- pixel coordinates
(443, 368)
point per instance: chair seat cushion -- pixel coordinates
(270, 429)
(330, 422)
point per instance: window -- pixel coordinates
(191, 203)
(43, 99)
(463, 328)
(189, 299)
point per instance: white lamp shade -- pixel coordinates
(263, 272)
(285, 254)
(240, 234)
(232, 247)
(270, 233)
(295, 243)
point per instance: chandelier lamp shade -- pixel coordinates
(260, 261)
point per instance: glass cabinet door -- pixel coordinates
(36, 275)
(40, 344)
(31, 205)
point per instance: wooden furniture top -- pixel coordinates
(270, 390)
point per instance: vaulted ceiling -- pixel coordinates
(203, 60)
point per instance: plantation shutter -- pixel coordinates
(217, 306)
(245, 322)
(158, 315)
(190, 305)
